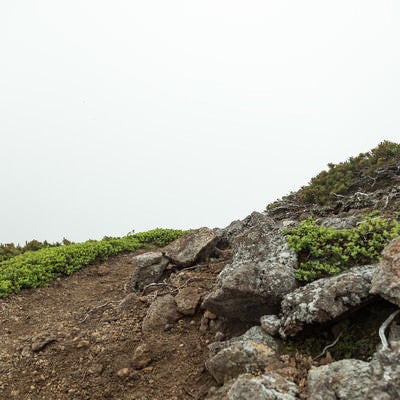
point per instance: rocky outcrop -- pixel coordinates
(147, 268)
(261, 273)
(358, 380)
(191, 248)
(386, 281)
(263, 387)
(326, 299)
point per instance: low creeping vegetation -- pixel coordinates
(326, 251)
(364, 170)
(9, 250)
(36, 268)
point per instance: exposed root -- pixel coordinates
(386, 323)
(96, 308)
(328, 347)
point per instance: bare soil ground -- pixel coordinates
(75, 339)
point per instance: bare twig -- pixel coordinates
(339, 195)
(328, 347)
(98, 307)
(170, 287)
(386, 323)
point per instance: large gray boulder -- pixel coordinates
(326, 299)
(263, 387)
(252, 351)
(191, 248)
(261, 273)
(358, 380)
(386, 281)
(147, 268)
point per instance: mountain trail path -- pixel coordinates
(75, 339)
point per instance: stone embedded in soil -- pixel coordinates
(252, 285)
(130, 302)
(386, 281)
(191, 248)
(326, 299)
(161, 313)
(187, 300)
(103, 270)
(41, 341)
(148, 268)
(142, 356)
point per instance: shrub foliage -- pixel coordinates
(36, 268)
(367, 170)
(326, 251)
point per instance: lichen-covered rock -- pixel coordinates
(252, 351)
(239, 358)
(161, 314)
(326, 299)
(255, 334)
(386, 281)
(147, 268)
(344, 379)
(358, 380)
(263, 387)
(270, 324)
(261, 273)
(338, 222)
(191, 248)
(228, 234)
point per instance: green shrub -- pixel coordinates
(36, 268)
(8, 250)
(342, 177)
(326, 251)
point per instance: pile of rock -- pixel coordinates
(259, 285)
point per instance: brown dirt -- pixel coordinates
(75, 339)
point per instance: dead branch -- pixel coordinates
(96, 308)
(328, 347)
(339, 195)
(386, 323)
(164, 283)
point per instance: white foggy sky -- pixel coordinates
(120, 115)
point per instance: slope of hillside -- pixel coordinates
(223, 314)
(75, 340)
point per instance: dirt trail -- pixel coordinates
(75, 339)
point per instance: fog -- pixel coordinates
(129, 115)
